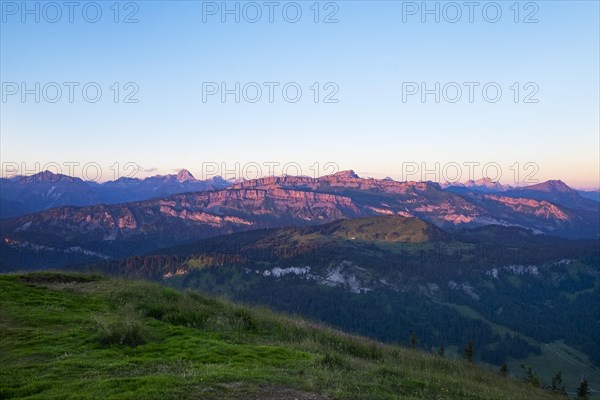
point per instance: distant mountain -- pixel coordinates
(551, 186)
(559, 193)
(553, 191)
(128, 190)
(444, 208)
(108, 231)
(27, 194)
(184, 175)
(481, 185)
(486, 185)
(590, 194)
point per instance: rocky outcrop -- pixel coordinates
(344, 180)
(542, 208)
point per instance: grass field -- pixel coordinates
(67, 336)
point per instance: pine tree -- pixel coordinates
(583, 391)
(504, 370)
(413, 340)
(469, 351)
(557, 384)
(531, 377)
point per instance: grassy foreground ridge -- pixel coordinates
(86, 337)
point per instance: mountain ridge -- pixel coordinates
(282, 201)
(23, 195)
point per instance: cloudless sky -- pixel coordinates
(366, 57)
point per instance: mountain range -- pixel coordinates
(105, 230)
(21, 195)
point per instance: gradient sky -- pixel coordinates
(369, 53)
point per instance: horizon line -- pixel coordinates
(237, 179)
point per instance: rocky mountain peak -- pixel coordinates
(483, 182)
(551, 186)
(45, 177)
(185, 175)
(346, 174)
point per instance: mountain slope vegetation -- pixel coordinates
(71, 336)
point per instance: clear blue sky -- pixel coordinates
(368, 54)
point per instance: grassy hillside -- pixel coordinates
(389, 228)
(82, 336)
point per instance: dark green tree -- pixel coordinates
(557, 384)
(469, 352)
(531, 377)
(583, 391)
(414, 340)
(442, 351)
